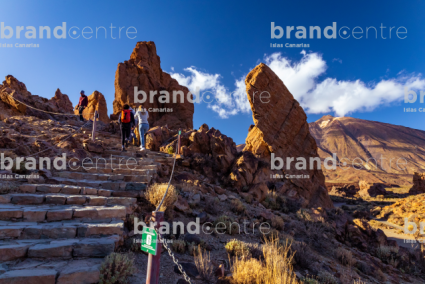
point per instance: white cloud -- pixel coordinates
(341, 97)
(223, 102)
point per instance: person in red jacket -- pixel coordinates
(82, 104)
(126, 121)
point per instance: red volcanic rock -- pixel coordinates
(62, 102)
(12, 91)
(418, 184)
(206, 150)
(96, 101)
(143, 70)
(371, 189)
(281, 128)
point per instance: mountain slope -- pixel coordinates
(370, 149)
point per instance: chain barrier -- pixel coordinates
(55, 113)
(164, 242)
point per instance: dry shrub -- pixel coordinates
(358, 281)
(247, 198)
(388, 254)
(304, 215)
(277, 222)
(345, 257)
(303, 256)
(116, 268)
(230, 226)
(192, 249)
(237, 206)
(326, 278)
(179, 246)
(271, 201)
(275, 268)
(155, 193)
(204, 265)
(237, 248)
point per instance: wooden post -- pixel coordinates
(154, 260)
(93, 135)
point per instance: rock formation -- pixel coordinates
(281, 128)
(143, 71)
(12, 89)
(62, 102)
(346, 190)
(96, 102)
(418, 184)
(371, 189)
(206, 150)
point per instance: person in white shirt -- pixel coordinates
(142, 116)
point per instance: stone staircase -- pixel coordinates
(60, 230)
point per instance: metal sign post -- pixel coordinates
(154, 259)
(178, 143)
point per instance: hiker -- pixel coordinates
(133, 136)
(142, 116)
(82, 104)
(126, 121)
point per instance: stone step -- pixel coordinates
(114, 177)
(63, 249)
(135, 154)
(62, 199)
(59, 230)
(51, 213)
(117, 169)
(111, 185)
(77, 190)
(64, 189)
(123, 160)
(53, 271)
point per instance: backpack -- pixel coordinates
(126, 116)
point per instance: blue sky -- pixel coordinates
(362, 78)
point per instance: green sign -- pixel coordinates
(149, 240)
(180, 132)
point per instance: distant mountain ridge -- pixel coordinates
(383, 149)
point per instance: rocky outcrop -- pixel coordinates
(15, 99)
(280, 128)
(371, 189)
(96, 102)
(346, 190)
(62, 102)
(143, 71)
(206, 150)
(418, 184)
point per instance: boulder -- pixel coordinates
(280, 128)
(143, 71)
(418, 184)
(346, 190)
(96, 101)
(371, 189)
